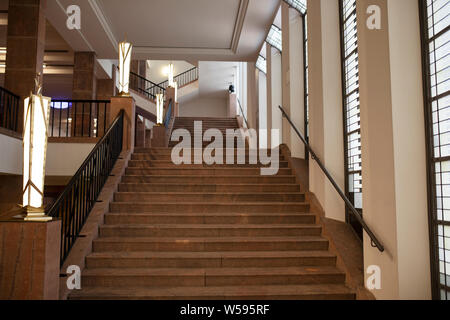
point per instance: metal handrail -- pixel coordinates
(374, 240)
(76, 201)
(242, 111)
(145, 86)
(182, 76)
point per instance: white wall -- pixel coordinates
(204, 107)
(11, 155)
(155, 72)
(64, 159)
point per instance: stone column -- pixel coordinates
(393, 149)
(29, 268)
(296, 81)
(269, 94)
(25, 43)
(325, 98)
(232, 105)
(105, 91)
(285, 70)
(252, 96)
(84, 88)
(276, 94)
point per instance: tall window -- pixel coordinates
(351, 105)
(436, 58)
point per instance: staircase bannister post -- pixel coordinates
(129, 106)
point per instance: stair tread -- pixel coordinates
(208, 193)
(215, 203)
(211, 239)
(231, 292)
(209, 255)
(211, 214)
(270, 271)
(210, 226)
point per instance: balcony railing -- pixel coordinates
(80, 195)
(183, 78)
(145, 86)
(78, 118)
(9, 110)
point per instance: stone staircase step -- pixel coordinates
(210, 277)
(255, 188)
(169, 163)
(242, 207)
(207, 197)
(189, 179)
(209, 230)
(209, 218)
(284, 292)
(210, 244)
(225, 259)
(202, 171)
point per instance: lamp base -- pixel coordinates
(35, 214)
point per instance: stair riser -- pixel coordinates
(207, 188)
(94, 262)
(206, 172)
(205, 197)
(209, 247)
(168, 157)
(213, 232)
(207, 179)
(201, 280)
(165, 164)
(208, 207)
(161, 219)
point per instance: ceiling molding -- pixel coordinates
(185, 51)
(243, 6)
(96, 7)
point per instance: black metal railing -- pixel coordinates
(183, 78)
(80, 195)
(375, 242)
(145, 86)
(168, 114)
(242, 112)
(78, 118)
(9, 110)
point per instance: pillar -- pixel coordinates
(296, 81)
(84, 81)
(276, 94)
(84, 88)
(105, 90)
(326, 108)
(232, 106)
(252, 96)
(29, 268)
(285, 70)
(25, 48)
(269, 94)
(393, 149)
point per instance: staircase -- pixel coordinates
(209, 232)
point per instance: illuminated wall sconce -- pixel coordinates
(170, 74)
(159, 108)
(124, 68)
(36, 117)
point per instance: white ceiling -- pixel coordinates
(220, 30)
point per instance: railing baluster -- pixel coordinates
(78, 198)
